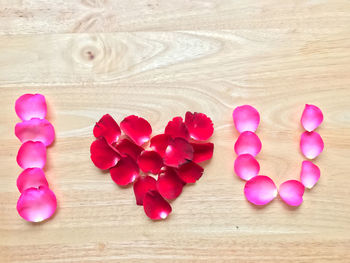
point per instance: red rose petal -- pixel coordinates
(248, 142)
(160, 142)
(32, 155)
(125, 172)
(190, 172)
(246, 167)
(155, 206)
(311, 144)
(178, 152)
(177, 129)
(102, 155)
(108, 128)
(142, 185)
(169, 184)
(246, 118)
(311, 118)
(310, 174)
(260, 190)
(202, 151)
(292, 192)
(30, 106)
(39, 130)
(31, 177)
(127, 148)
(199, 126)
(137, 128)
(150, 161)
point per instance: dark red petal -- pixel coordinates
(169, 184)
(199, 126)
(137, 128)
(125, 172)
(177, 128)
(160, 142)
(127, 148)
(102, 155)
(150, 161)
(155, 206)
(142, 185)
(178, 152)
(108, 128)
(190, 172)
(202, 151)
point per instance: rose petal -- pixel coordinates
(202, 151)
(102, 155)
(246, 118)
(150, 161)
(310, 173)
(311, 118)
(311, 144)
(35, 130)
(108, 128)
(190, 172)
(178, 152)
(141, 186)
(246, 166)
(31, 155)
(31, 177)
(177, 129)
(137, 128)
(125, 172)
(260, 190)
(169, 184)
(30, 106)
(160, 142)
(37, 204)
(128, 148)
(155, 206)
(292, 192)
(200, 126)
(248, 142)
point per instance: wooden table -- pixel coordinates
(159, 59)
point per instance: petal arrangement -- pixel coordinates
(159, 166)
(37, 202)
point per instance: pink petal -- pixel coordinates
(312, 117)
(155, 206)
(108, 128)
(137, 128)
(127, 148)
(102, 155)
(30, 106)
(246, 118)
(311, 144)
(246, 166)
(150, 161)
(260, 190)
(160, 142)
(178, 152)
(199, 126)
(190, 172)
(310, 173)
(248, 142)
(202, 151)
(169, 184)
(141, 186)
(31, 177)
(37, 204)
(35, 130)
(292, 192)
(31, 155)
(125, 172)
(177, 129)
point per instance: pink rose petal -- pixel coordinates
(199, 126)
(248, 142)
(155, 206)
(177, 129)
(310, 173)
(137, 128)
(311, 118)
(108, 128)
(260, 190)
(160, 142)
(32, 155)
(39, 130)
(292, 192)
(190, 172)
(246, 118)
(311, 144)
(202, 151)
(31, 177)
(169, 184)
(178, 152)
(150, 162)
(246, 166)
(142, 185)
(30, 106)
(102, 155)
(126, 147)
(37, 204)
(125, 172)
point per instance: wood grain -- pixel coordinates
(158, 59)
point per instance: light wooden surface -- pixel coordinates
(158, 59)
